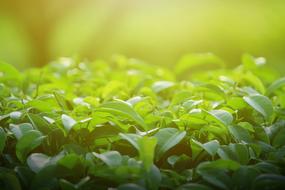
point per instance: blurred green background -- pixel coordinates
(34, 32)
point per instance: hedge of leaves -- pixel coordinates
(128, 125)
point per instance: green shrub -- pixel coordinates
(130, 125)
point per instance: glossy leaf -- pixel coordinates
(111, 158)
(37, 161)
(261, 104)
(27, 143)
(146, 151)
(68, 122)
(166, 139)
(124, 109)
(275, 85)
(210, 147)
(222, 116)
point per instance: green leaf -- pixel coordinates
(244, 176)
(39, 123)
(275, 85)
(269, 182)
(279, 138)
(236, 152)
(161, 85)
(41, 105)
(122, 108)
(215, 172)
(240, 133)
(27, 143)
(3, 138)
(8, 72)
(248, 62)
(45, 179)
(210, 147)
(190, 61)
(222, 116)
(261, 104)
(166, 139)
(37, 161)
(246, 126)
(68, 122)
(254, 81)
(61, 101)
(236, 103)
(146, 151)
(219, 164)
(153, 178)
(21, 129)
(131, 138)
(69, 161)
(110, 158)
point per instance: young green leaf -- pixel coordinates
(261, 104)
(110, 158)
(27, 143)
(122, 108)
(166, 139)
(240, 133)
(219, 164)
(21, 129)
(244, 176)
(210, 147)
(146, 150)
(236, 152)
(8, 72)
(68, 122)
(275, 85)
(269, 181)
(191, 61)
(222, 116)
(131, 138)
(37, 161)
(214, 172)
(161, 85)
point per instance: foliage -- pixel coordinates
(129, 125)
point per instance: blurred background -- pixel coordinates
(34, 32)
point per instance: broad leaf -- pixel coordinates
(261, 104)
(146, 151)
(239, 133)
(210, 147)
(27, 143)
(110, 158)
(275, 85)
(222, 116)
(37, 161)
(131, 138)
(161, 85)
(68, 122)
(166, 139)
(236, 152)
(120, 107)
